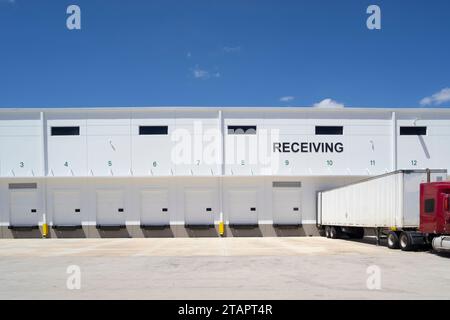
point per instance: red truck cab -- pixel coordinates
(435, 208)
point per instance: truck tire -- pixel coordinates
(322, 232)
(406, 243)
(335, 233)
(393, 240)
(327, 231)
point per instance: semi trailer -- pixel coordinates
(409, 207)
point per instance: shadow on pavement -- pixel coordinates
(383, 242)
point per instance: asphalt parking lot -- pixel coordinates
(218, 268)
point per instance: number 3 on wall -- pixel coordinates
(21, 164)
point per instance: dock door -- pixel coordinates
(198, 207)
(155, 207)
(25, 208)
(110, 208)
(66, 208)
(243, 206)
(286, 203)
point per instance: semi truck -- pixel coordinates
(408, 207)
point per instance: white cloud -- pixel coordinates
(232, 49)
(203, 74)
(188, 55)
(287, 99)
(437, 99)
(200, 74)
(328, 103)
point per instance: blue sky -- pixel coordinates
(224, 53)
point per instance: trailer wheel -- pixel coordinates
(335, 233)
(322, 232)
(393, 240)
(406, 241)
(327, 231)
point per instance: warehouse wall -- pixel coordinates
(109, 144)
(21, 147)
(424, 151)
(200, 166)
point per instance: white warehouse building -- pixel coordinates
(181, 171)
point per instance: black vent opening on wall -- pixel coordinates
(153, 130)
(413, 131)
(65, 131)
(241, 129)
(329, 130)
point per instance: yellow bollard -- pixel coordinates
(44, 230)
(221, 228)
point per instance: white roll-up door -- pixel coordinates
(198, 207)
(110, 207)
(155, 207)
(243, 206)
(286, 207)
(67, 208)
(25, 209)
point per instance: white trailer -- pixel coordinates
(386, 202)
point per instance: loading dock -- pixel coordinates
(155, 208)
(243, 211)
(286, 203)
(110, 209)
(25, 206)
(198, 207)
(113, 156)
(67, 209)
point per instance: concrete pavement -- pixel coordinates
(218, 268)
